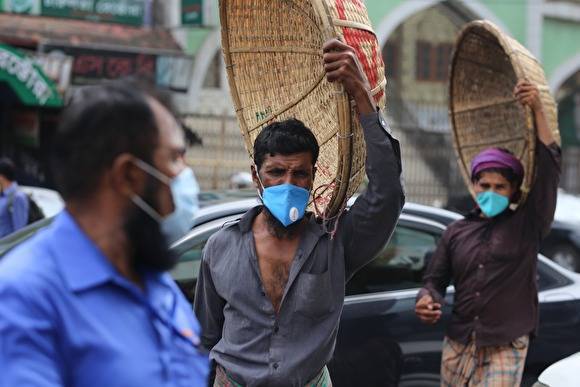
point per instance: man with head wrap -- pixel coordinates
(491, 257)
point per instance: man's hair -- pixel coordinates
(7, 169)
(285, 137)
(101, 123)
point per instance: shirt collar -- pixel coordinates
(245, 223)
(80, 260)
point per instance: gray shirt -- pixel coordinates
(239, 324)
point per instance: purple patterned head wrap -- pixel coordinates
(496, 158)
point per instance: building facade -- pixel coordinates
(417, 37)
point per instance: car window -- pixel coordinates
(190, 252)
(548, 278)
(400, 265)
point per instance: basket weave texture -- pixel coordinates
(273, 56)
(485, 68)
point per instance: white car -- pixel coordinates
(48, 200)
(563, 373)
(568, 208)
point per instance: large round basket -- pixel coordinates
(273, 57)
(485, 68)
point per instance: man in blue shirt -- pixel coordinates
(13, 202)
(87, 301)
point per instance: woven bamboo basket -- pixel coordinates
(485, 68)
(273, 55)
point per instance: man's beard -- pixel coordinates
(277, 229)
(150, 250)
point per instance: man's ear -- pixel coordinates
(125, 176)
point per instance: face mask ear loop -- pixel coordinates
(261, 184)
(142, 204)
(153, 172)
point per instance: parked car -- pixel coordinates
(48, 200)
(379, 335)
(563, 373)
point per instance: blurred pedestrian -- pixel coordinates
(271, 286)
(491, 257)
(13, 202)
(88, 301)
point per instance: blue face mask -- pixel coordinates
(184, 191)
(491, 203)
(286, 202)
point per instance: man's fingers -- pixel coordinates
(429, 320)
(333, 76)
(332, 66)
(429, 313)
(335, 45)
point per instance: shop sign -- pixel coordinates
(27, 79)
(92, 66)
(110, 11)
(192, 12)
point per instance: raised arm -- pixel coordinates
(541, 203)
(371, 220)
(529, 95)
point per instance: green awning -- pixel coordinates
(27, 79)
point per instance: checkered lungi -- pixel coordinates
(223, 380)
(465, 365)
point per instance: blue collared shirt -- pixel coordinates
(13, 210)
(68, 318)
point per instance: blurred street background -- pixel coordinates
(176, 43)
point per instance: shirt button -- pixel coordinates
(476, 318)
(480, 266)
(275, 366)
(477, 294)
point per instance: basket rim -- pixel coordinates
(345, 129)
(530, 133)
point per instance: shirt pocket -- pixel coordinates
(314, 295)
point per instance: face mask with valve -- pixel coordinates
(491, 203)
(184, 190)
(287, 202)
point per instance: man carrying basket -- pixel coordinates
(491, 256)
(271, 286)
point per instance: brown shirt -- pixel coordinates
(492, 262)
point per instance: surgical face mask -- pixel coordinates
(286, 202)
(184, 191)
(491, 203)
